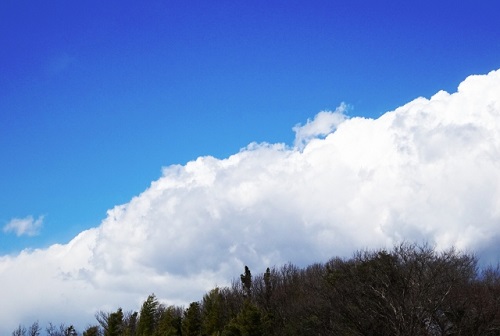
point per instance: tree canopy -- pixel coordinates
(408, 290)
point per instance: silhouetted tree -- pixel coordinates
(34, 329)
(246, 281)
(52, 330)
(20, 331)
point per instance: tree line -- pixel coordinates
(408, 290)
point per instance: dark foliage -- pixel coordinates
(409, 290)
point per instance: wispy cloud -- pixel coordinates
(429, 170)
(324, 123)
(28, 226)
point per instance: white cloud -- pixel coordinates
(324, 123)
(430, 170)
(24, 226)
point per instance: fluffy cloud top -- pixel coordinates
(323, 124)
(430, 170)
(24, 226)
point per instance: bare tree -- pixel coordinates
(52, 330)
(34, 329)
(20, 331)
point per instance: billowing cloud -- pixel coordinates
(323, 124)
(28, 226)
(427, 171)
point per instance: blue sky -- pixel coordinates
(96, 97)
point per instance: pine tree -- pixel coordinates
(147, 317)
(169, 322)
(212, 313)
(246, 281)
(249, 322)
(114, 324)
(191, 323)
(129, 324)
(92, 331)
(267, 287)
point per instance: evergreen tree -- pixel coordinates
(246, 281)
(191, 323)
(212, 314)
(267, 286)
(169, 322)
(92, 331)
(114, 324)
(130, 324)
(249, 322)
(147, 317)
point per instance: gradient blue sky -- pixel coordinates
(97, 96)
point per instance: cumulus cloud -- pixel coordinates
(427, 171)
(28, 226)
(324, 123)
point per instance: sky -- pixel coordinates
(161, 146)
